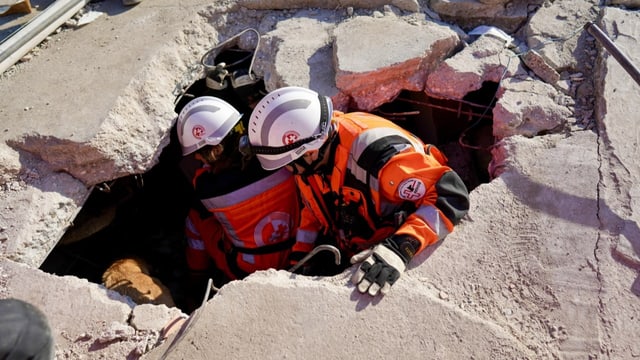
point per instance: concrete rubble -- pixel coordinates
(546, 265)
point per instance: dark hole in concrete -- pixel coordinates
(462, 129)
(143, 215)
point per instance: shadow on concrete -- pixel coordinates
(80, 159)
(44, 176)
(577, 210)
(110, 7)
(362, 300)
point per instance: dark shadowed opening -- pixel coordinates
(142, 216)
(462, 129)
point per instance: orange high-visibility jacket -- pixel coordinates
(252, 228)
(384, 181)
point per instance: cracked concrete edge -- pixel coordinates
(86, 318)
(47, 179)
(38, 207)
(565, 30)
(429, 43)
(326, 329)
(406, 5)
(120, 146)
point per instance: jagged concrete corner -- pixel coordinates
(399, 58)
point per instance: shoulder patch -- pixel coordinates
(411, 189)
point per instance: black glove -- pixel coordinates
(383, 264)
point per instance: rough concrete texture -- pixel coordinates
(407, 5)
(556, 36)
(545, 266)
(525, 106)
(285, 49)
(400, 57)
(486, 59)
(85, 318)
(528, 108)
(619, 246)
(469, 14)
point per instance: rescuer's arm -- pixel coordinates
(306, 236)
(441, 200)
(440, 197)
(198, 260)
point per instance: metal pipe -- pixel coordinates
(606, 42)
(317, 249)
(434, 106)
(37, 29)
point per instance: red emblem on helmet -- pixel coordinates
(290, 137)
(198, 131)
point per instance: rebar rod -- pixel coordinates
(606, 42)
(434, 106)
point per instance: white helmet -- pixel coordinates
(205, 120)
(288, 122)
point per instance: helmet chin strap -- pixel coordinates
(313, 167)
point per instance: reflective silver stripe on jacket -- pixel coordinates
(248, 191)
(249, 258)
(431, 216)
(306, 236)
(230, 230)
(364, 140)
(194, 243)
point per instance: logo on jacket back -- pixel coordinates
(411, 189)
(290, 137)
(273, 228)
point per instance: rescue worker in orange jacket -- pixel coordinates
(254, 212)
(375, 188)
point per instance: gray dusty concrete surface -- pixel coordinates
(545, 266)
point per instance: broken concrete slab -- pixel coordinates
(86, 319)
(525, 105)
(534, 61)
(288, 59)
(529, 107)
(620, 241)
(468, 13)
(323, 317)
(96, 142)
(485, 59)
(533, 233)
(555, 30)
(37, 208)
(398, 58)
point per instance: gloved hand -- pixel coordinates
(383, 264)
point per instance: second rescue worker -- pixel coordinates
(366, 183)
(251, 214)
